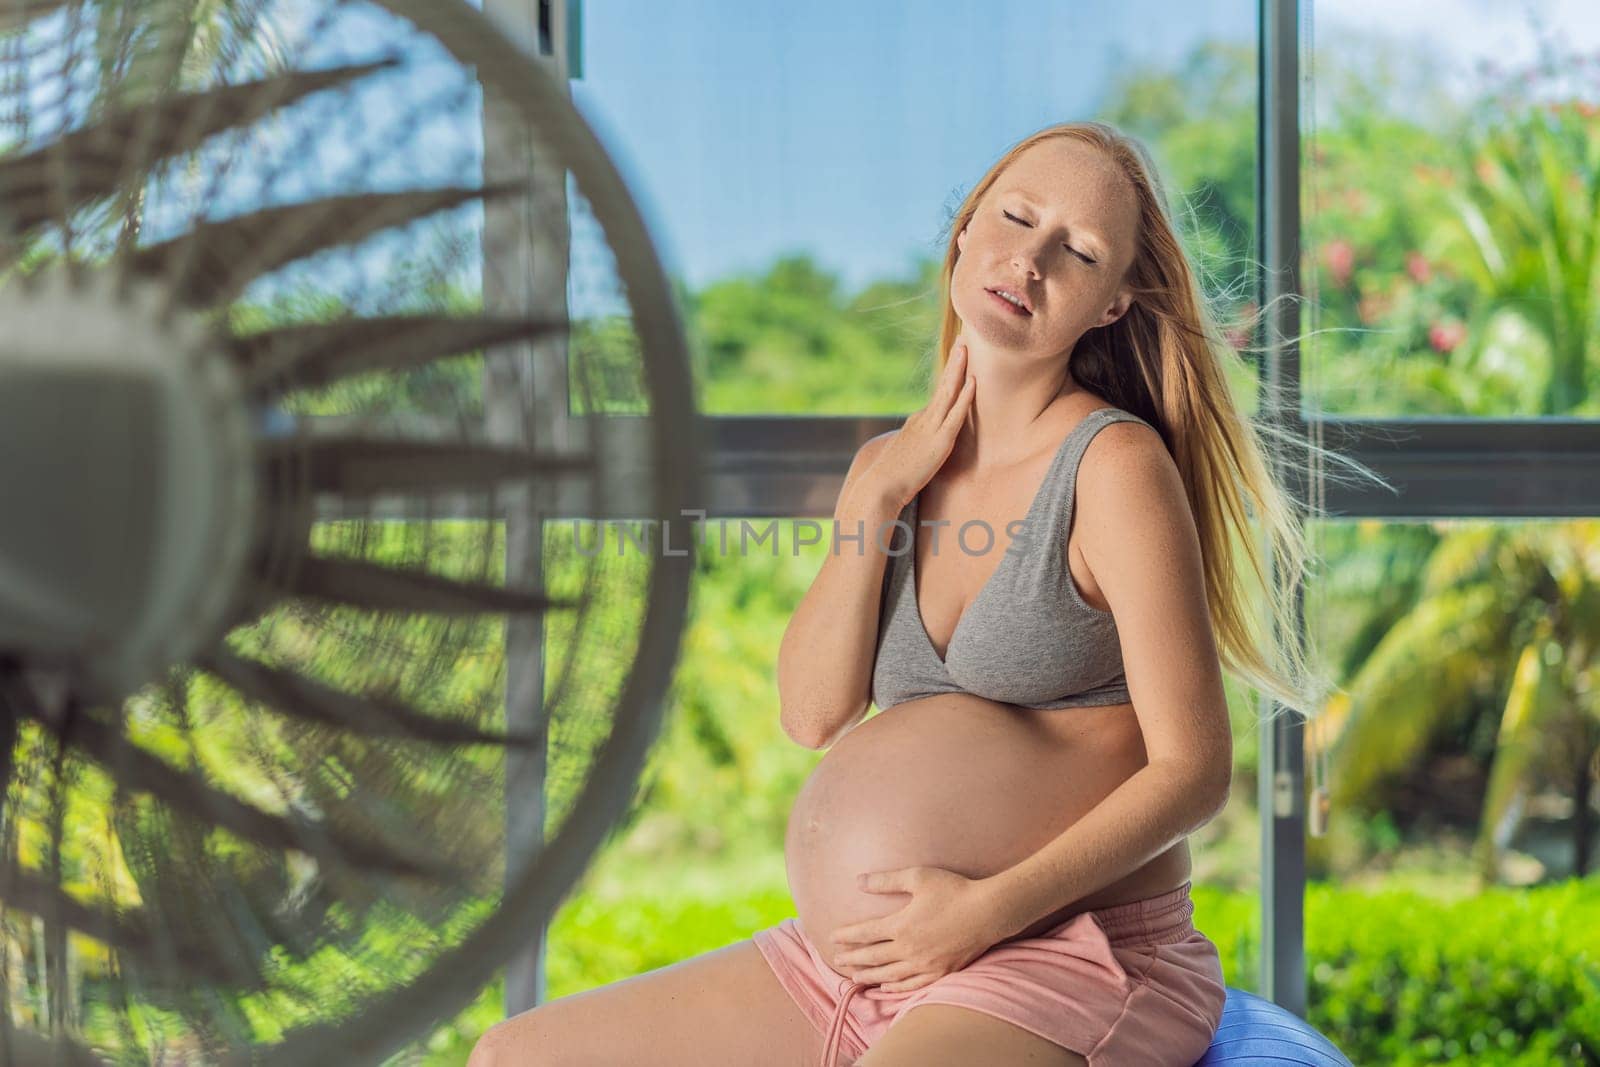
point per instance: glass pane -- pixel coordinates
(1448, 915)
(797, 162)
(1450, 191)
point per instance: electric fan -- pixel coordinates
(312, 313)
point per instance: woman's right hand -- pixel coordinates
(914, 455)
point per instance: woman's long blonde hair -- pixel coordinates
(1164, 361)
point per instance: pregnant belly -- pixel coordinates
(951, 781)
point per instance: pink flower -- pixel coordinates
(1340, 258)
(1417, 267)
(1444, 336)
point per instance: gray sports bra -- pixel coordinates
(1028, 638)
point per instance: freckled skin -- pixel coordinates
(951, 781)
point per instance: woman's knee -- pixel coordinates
(483, 1052)
(489, 1050)
(513, 1042)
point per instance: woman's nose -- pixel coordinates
(1026, 259)
(1025, 255)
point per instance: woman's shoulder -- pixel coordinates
(1125, 463)
(866, 455)
(1124, 428)
(873, 445)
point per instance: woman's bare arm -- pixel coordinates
(825, 659)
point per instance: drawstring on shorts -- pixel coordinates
(830, 1052)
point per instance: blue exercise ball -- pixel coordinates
(1255, 1032)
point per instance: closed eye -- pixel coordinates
(1068, 247)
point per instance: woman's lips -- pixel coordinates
(1008, 305)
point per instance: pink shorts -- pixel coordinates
(1130, 984)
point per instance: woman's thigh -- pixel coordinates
(721, 1007)
(945, 1035)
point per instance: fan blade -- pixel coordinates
(24, 1047)
(16, 14)
(136, 769)
(155, 953)
(314, 354)
(379, 588)
(373, 716)
(273, 909)
(362, 466)
(90, 159)
(216, 260)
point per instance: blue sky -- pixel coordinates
(842, 128)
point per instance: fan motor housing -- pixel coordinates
(127, 472)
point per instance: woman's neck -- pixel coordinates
(1009, 409)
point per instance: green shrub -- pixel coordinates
(1508, 976)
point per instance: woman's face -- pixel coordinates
(1056, 208)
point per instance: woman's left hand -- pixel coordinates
(949, 921)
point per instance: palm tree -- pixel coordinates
(1506, 610)
(1527, 228)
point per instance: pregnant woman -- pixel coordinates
(1033, 582)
